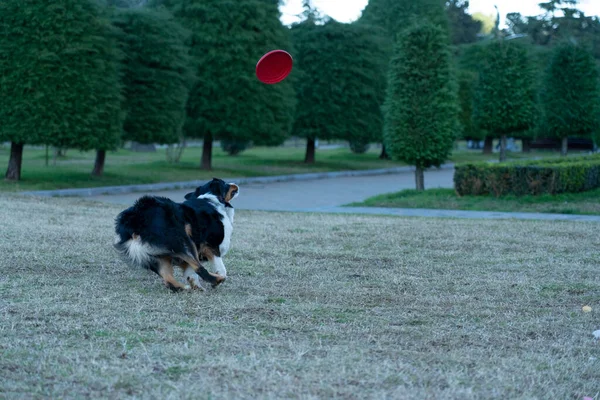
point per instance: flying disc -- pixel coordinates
(274, 66)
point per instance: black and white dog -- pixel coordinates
(157, 233)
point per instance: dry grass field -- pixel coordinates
(316, 306)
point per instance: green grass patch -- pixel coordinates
(446, 199)
(124, 167)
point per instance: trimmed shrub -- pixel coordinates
(528, 178)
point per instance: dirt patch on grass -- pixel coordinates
(316, 306)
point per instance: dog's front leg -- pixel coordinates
(192, 277)
(218, 267)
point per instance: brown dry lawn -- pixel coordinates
(316, 306)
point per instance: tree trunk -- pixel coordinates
(310, 151)
(206, 163)
(384, 155)
(502, 148)
(420, 179)
(13, 173)
(175, 151)
(488, 145)
(526, 145)
(99, 163)
(564, 146)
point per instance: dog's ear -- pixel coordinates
(193, 195)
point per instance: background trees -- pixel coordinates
(63, 90)
(421, 107)
(157, 75)
(227, 102)
(168, 68)
(571, 99)
(339, 84)
(505, 96)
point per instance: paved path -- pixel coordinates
(308, 194)
(313, 193)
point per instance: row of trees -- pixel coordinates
(412, 74)
(88, 75)
(549, 62)
(502, 96)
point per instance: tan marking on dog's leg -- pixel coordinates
(188, 229)
(207, 252)
(165, 270)
(232, 188)
(216, 262)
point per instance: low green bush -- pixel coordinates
(552, 176)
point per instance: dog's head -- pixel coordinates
(224, 192)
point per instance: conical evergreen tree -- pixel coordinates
(393, 17)
(421, 106)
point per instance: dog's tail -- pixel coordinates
(138, 253)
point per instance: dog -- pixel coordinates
(157, 233)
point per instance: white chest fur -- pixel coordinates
(227, 213)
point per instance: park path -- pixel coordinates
(320, 192)
(307, 194)
(329, 195)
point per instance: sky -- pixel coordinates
(350, 10)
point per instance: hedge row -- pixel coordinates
(529, 177)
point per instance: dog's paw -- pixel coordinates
(219, 279)
(174, 288)
(194, 283)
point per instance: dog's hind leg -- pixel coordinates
(165, 270)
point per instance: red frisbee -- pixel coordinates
(274, 66)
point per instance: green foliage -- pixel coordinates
(157, 75)
(466, 91)
(421, 105)
(227, 101)
(393, 17)
(340, 82)
(396, 15)
(564, 175)
(59, 75)
(571, 98)
(505, 99)
(126, 3)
